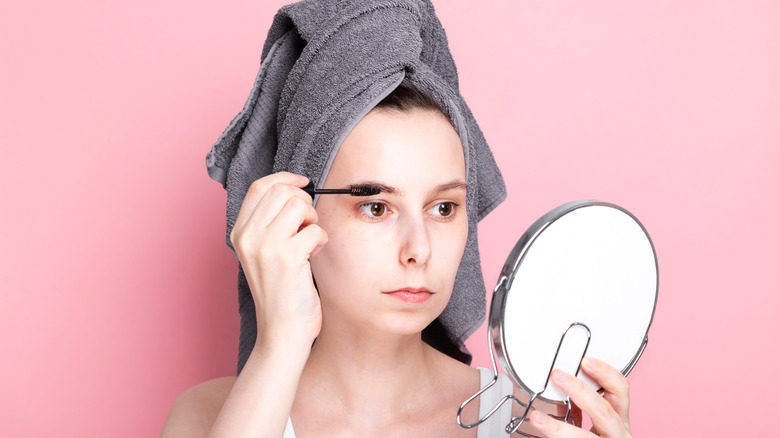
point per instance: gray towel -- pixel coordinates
(325, 64)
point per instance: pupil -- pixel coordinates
(444, 209)
(377, 209)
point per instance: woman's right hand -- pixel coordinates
(274, 236)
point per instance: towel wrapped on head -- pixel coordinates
(325, 65)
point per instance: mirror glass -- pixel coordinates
(584, 262)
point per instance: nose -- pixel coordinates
(416, 244)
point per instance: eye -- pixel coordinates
(443, 209)
(373, 210)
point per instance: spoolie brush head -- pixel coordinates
(364, 190)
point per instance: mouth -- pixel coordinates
(411, 295)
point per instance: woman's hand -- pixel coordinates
(608, 413)
(274, 236)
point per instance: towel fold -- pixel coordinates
(325, 64)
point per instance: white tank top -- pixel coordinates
(494, 426)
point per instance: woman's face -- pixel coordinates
(391, 259)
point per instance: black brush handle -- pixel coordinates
(312, 191)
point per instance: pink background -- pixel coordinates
(118, 292)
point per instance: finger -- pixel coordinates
(295, 215)
(258, 189)
(604, 417)
(274, 201)
(575, 414)
(615, 384)
(287, 209)
(310, 239)
(553, 428)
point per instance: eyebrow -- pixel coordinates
(384, 188)
(452, 185)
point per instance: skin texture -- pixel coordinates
(393, 240)
(369, 373)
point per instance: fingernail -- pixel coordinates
(560, 376)
(589, 363)
(538, 417)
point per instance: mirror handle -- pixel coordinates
(517, 421)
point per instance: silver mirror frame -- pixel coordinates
(515, 258)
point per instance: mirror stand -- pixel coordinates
(516, 421)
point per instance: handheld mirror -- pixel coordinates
(583, 280)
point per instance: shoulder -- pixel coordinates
(454, 383)
(194, 411)
(455, 374)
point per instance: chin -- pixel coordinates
(405, 322)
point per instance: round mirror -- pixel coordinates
(586, 263)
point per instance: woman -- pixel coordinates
(346, 290)
(385, 267)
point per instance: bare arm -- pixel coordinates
(274, 236)
(260, 401)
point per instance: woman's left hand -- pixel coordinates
(608, 413)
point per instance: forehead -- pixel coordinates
(403, 148)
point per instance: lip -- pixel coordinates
(411, 295)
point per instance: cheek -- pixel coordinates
(350, 260)
(453, 241)
(448, 250)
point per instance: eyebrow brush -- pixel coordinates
(366, 190)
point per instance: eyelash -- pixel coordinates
(366, 213)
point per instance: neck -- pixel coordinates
(367, 374)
